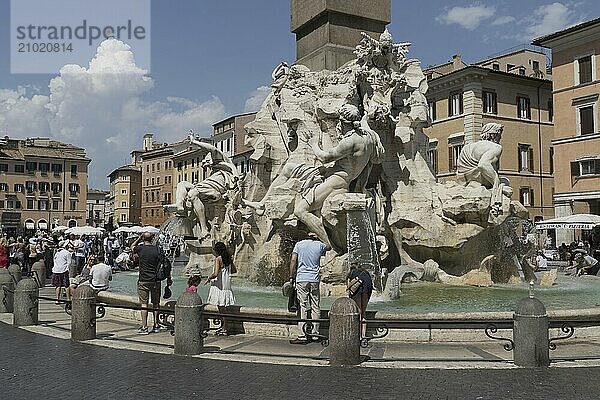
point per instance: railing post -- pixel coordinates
(188, 325)
(344, 332)
(530, 334)
(6, 298)
(15, 272)
(38, 270)
(83, 314)
(26, 303)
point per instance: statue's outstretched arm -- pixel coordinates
(486, 167)
(344, 149)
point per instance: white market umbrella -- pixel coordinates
(123, 229)
(84, 230)
(151, 229)
(60, 228)
(577, 221)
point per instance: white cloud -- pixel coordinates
(469, 17)
(507, 19)
(257, 97)
(102, 109)
(550, 18)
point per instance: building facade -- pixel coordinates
(576, 90)
(463, 101)
(96, 207)
(43, 184)
(157, 184)
(229, 136)
(327, 31)
(189, 166)
(124, 195)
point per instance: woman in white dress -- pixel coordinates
(220, 293)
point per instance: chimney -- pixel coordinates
(456, 62)
(148, 141)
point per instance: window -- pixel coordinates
(30, 186)
(3, 167)
(584, 70)
(152, 196)
(490, 104)
(43, 205)
(158, 180)
(3, 187)
(123, 217)
(44, 168)
(74, 188)
(432, 157)
(551, 160)
(96, 214)
(56, 169)
(453, 155)
(586, 120)
(193, 163)
(431, 110)
(525, 158)
(526, 196)
(123, 204)
(55, 204)
(73, 169)
(590, 166)
(19, 188)
(536, 65)
(44, 187)
(152, 212)
(30, 166)
(152, 181)
(72, 205)
(147, 168)
(158, 166)
(179, 166)
(124, 178)
(123, 191)
(496, 67)
(455, 104)
(523, 108)
(30, 204)
(147, 197)
(522, 71)
(509, 67)
(166, 165)
(18, 205)
(56, 187)
(19, 168)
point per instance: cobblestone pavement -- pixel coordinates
(34, 366)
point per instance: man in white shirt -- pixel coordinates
(79, 246)
(60, 269)
(101, 275)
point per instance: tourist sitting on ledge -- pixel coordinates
(586, 265)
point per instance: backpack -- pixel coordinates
(164, 266)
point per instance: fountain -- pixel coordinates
(339, 153)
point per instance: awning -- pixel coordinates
(42, 225)
(577, 221)
(29, 225)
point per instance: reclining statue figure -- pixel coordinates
(478, 162)
(223, 177)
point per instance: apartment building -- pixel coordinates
(189, 166)
(576, 142)
(157, 183)
(124, 195)
(43, 184)
(462, 101)
(96, 207)
(229, 135)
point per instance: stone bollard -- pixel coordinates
(83, 314)
(6, 298)
(38, 270)
(188, 325)
(15, 272)
(530, 334)
(344, 332)
(26, 303)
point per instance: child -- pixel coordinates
(193, 283)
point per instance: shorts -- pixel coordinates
(60, 280)
(149, 290)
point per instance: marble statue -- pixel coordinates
(193, 197)
(479, 161)
(341, 153)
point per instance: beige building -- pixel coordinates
(576, 89)
(327, 31)
(43, 184)
(124, 195)
(157, 180)
(96, 207)
(188, 166)
(229, 135)
(461, 102)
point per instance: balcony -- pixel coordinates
(73, 194)
(56, 173)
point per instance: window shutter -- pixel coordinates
(495, 103)
(531, 200)
(518, 107)
(597, 166)
(575, 168)
(585, 69)
(586, 117)
(485, 102)
(450, 160)
(460, 101)
(519, 158)
(531, 163)
(521, 196)
(528, 106)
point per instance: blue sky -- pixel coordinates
(210, 57)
